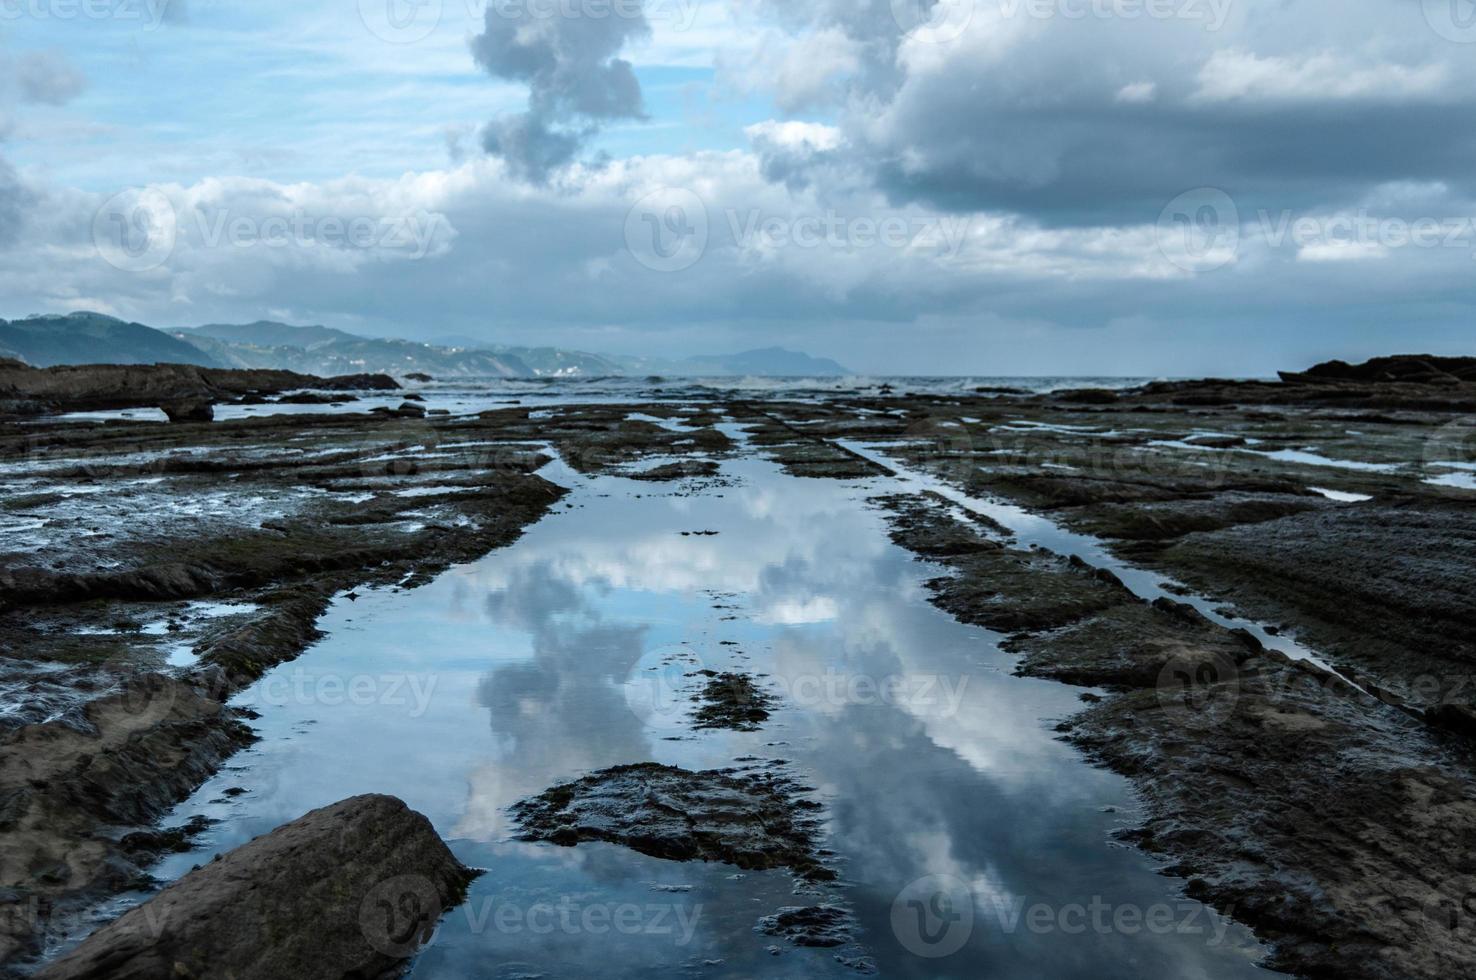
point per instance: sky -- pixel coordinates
(989, 187)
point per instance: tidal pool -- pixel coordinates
(969, 841)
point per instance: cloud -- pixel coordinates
(15, 200)
(1137, 92)
(882, 286)
(1100, 119)
(42, 77)
(575, 80)
(45, 77)
(1323, 77)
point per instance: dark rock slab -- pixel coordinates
(754, 820)
(732, 701)
(818, 926)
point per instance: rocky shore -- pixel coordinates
(1263, 588)
(351, 890)
(29, 391)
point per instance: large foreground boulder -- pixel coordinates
(351, 890)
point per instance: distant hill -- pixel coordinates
(545, 362)
(773, 362)
(92, 338)
(268, 333)
(325, 351)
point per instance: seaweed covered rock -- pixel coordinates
(754, 820)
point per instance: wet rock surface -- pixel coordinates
(1345, 577)
(753, 820)
(351, 890)
(820, 926)
(729, 700)
(96, 387)
(1337, 826)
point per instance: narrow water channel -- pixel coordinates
(970, 841)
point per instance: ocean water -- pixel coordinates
(465, 395)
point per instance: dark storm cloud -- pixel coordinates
(575, 80)
(1099, 120)
(38, 77)
(15, 200)
(1112, 166)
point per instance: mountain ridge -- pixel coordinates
(45, 340)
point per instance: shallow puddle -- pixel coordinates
(969, 841)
